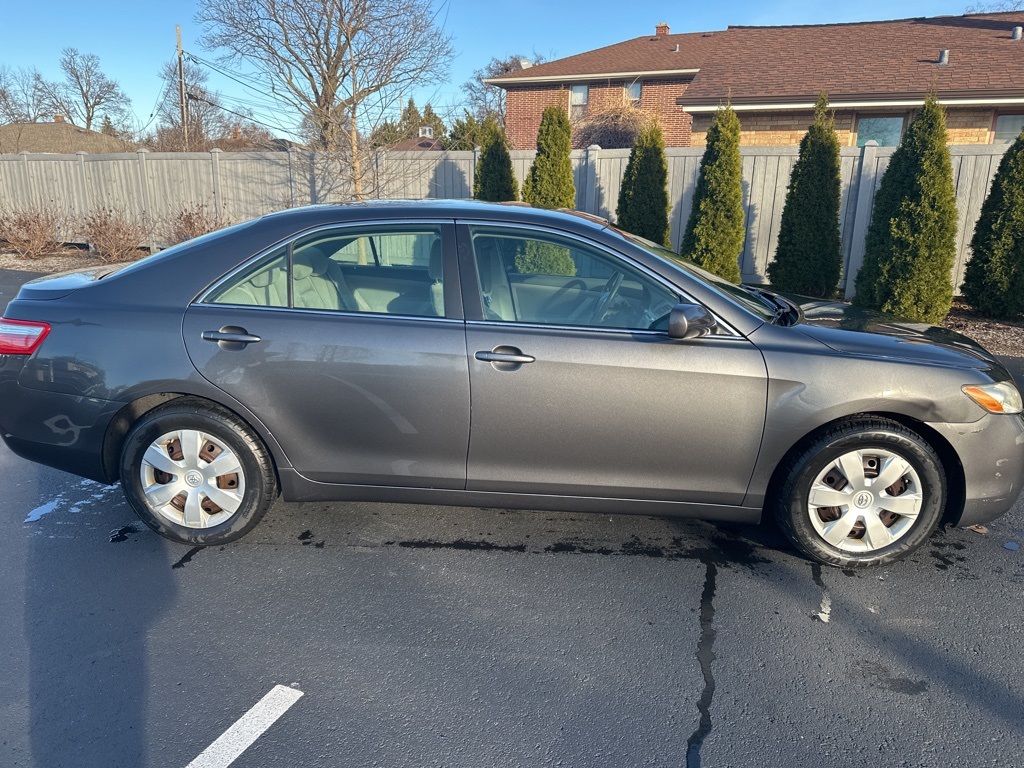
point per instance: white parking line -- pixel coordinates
(240, 736)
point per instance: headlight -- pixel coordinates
(995, 398)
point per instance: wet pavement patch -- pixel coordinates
(705, 657)
(187, 557)
(485, 546)
(122, 533)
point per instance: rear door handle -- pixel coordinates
(231, 337)
(504, 357)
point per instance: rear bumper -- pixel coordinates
(991, 451)
(61, 431)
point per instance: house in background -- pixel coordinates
(875, 73)
(58, 137)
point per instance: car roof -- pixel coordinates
(512, 212)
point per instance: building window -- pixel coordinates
(1008, 128)
(633, 92)
(579, 95)
(887, 131)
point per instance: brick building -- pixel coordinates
(876, 74)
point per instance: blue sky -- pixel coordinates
(133, 38)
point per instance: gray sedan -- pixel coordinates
(472, 354)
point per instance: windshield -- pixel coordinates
(745, 297)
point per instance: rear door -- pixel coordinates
(577, 389)
(349, 344)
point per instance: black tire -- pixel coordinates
(258, 480)
(792, 502)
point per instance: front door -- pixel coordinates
(577, 389)
(352, 352)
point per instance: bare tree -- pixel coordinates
(484, 99)
(21, 98)
(1001, 7)
(205, 117)
(342, 66)
(85, 93)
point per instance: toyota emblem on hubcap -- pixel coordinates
(194, 478)
(863, 500)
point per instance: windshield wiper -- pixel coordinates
(783, 310)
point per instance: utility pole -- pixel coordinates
(181, 93)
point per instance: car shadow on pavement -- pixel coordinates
(90, 606)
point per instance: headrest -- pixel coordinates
(264, 277)
(310, 260)
(436, 266)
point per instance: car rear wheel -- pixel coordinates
(862, 493)
(197, 474)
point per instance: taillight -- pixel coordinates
(21, 337)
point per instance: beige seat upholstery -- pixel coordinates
(494, 285)
(435, 270)
(319, 283)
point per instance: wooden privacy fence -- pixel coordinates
(235, 186)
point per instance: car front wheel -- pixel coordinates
(862, 493)
(196, 474)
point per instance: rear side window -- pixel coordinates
(395, 271)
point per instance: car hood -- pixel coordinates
(61, 284)
(857, 331)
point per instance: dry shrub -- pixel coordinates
(615, 128)
(191, 221)
(32, 231)
(114, 235)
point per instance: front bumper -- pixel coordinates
(991, 451)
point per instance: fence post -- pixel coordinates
(472, 171)
(84, 206)
(215, 170)
(147, 218)
(291, 177)
(862, 214)
(590, 201)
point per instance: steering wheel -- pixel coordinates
(558, 295)
(610, 290)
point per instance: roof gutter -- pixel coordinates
(503, 81)
(809, 105)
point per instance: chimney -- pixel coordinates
(661, 30)
(58, 118)
(676, 50)
(1018, 32)
(944, 57)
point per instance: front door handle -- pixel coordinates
(231, 337)
(505, 357)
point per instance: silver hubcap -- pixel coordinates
(865, 500)
(192, 479)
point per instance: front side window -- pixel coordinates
(579, 95)
(549, 280)
(887, 131)
(396, 272)
(1008, 128)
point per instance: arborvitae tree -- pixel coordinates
(107, 127)
(431, 118)
(549, 183)
(911, 241)
(643, 196)
(714, 232)
(994, 282)
(808, 257)
(495, 181)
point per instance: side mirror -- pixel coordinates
(690, 321)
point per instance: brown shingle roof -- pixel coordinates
(57, 138)
(641, 54)
(866, 60)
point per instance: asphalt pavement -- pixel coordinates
(439, 636)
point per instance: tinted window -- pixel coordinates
(548, 280)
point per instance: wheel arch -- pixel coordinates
(129, 415)
(951, 465)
